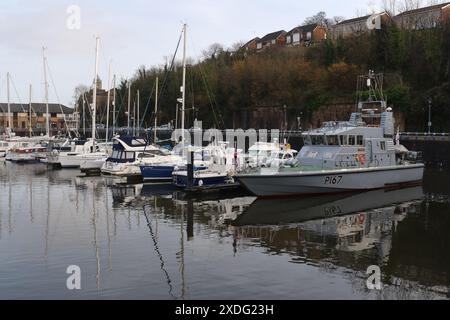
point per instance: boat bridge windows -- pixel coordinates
(334, 140)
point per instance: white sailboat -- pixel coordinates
(20, 149)
(8, 141)
(91, 155)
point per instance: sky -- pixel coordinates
(132, 33)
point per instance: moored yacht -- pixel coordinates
(128, 152)
(24, 152)
(344, 156)
(89, 150)
(5, 146)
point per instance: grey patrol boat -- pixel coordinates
(356, 155)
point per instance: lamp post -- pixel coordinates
(429, 115)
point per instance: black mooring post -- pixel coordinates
(190, 170)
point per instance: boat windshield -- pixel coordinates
(317, 140)
(122, 155)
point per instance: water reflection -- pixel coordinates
(188, 247)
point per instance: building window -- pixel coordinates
(259, 45)
(23, 125)
(288, 39)
(53, 115)
(296, 37)
(273, 41)
(309, 36)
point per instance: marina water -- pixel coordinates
(151, 242)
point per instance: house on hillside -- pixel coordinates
(271, 40)
(250, 46)
(424, 18)
(361, 25)
(305, 34)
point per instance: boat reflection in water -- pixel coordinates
(352, 232)
(263, 212)
(339, 235)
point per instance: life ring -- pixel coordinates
(362, 158)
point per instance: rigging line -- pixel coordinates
(109, 81)
(57, 97)
(2, 82)
(106, 64)
(148, 104)
(211, 96)
(17, 93)
(166, 78)
(122, 101)
(163, 87)
(158, 252)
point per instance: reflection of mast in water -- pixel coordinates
(156, 215)
(1, 217)
(107, 229)
(9, 208)
(190, 220)
(129, 218)
(97, 250)
(155, 244)
(47, 225)
(180, 254)
(31, 200)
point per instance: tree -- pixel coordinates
(390, 6)
(407, 5)
(321, 19)
(213, 51)
(80, 90)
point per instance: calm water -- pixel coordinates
(143, 243)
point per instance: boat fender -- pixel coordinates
(361, 218)
(200, 183)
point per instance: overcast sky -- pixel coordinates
(133, 33)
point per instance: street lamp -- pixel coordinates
(429, 115)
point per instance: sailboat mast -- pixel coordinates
(29, 115)
(9, 103)
(84, 118)
(184, 83)
(107, 103)
(47, 116)
(138, 116)
(114, 106)
(129, 106)
(134, 117)
(94, 95)
(156, 110)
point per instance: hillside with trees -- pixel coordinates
(416, 65)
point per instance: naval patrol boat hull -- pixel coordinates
(285, 184)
